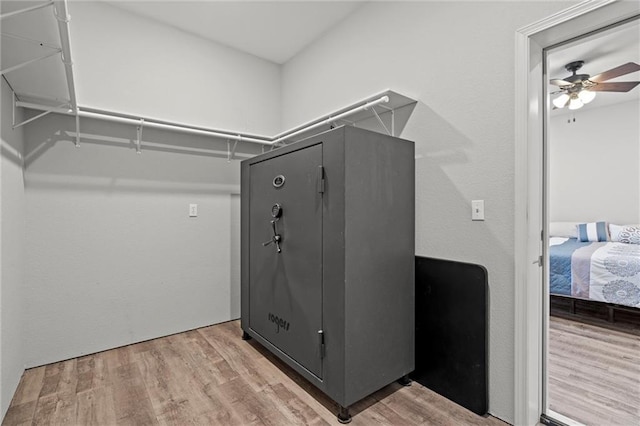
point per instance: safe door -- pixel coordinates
(285, 250)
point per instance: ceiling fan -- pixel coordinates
(579, 89)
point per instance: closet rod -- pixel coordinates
(330, 119)
(223, 134)
(148, 122)
(180, 128)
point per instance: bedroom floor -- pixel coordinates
(207, 376)
(594, 373)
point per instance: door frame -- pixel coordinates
(529, 332)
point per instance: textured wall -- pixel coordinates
(12, 228)
(113, 256)
(457, 59)
(594, 164)
(130, 64)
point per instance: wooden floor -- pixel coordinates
(207, 376)
(594, 373)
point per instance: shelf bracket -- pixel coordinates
(15, 126)
(77, 127)
(393, 122)
(380, 120)
(139, 140)
(393, 118)
(15, 100)
(231, 152)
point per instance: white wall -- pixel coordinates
(12, 228)
(594, 164)
(113, 256)
(457, 59)
(130, 64)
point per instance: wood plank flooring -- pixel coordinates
(594, 373)
(207, 376)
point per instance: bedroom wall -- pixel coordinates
(130, 64)
(594, 164)
(458, 61)
(12, 229)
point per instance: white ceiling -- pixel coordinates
(276, 31)
(601, 52)
(272, 30)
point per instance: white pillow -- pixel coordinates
(629, 234)
(563, 229)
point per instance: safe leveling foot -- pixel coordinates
(245, 336)
(405, 380)
(343, 415)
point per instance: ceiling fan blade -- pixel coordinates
(627, 68)
(623, 86)
(561, 83)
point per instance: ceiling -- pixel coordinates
(275, 31)
(600, 52)
(272, 30)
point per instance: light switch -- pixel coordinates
(193, 210)
(477, 210)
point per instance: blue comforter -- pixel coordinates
(601, 271)
(560, 265)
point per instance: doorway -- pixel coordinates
(592, 148)
(530, 219)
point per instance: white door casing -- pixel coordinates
(529, 301)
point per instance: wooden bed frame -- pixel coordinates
(608, 315)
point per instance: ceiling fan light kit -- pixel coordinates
(586, 96)
(580, 89)
(561, 100)
(575, 102)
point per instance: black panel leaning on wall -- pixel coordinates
(452, 331)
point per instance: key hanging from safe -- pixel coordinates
(276, 212)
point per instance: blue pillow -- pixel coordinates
(594, 231)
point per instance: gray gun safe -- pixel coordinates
(327, 259)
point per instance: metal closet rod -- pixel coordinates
(223, 134)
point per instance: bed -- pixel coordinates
(601, 271)
(600, 278)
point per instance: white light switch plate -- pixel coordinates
(477, 210)
(193, 210)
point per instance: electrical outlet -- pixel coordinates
(477, 210)
(193, 210)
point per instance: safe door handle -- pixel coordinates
(276, 237)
